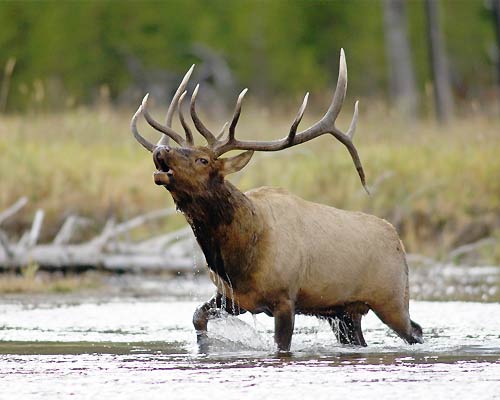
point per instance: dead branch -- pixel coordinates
(470, 247)
(13, 209)
(100, 241)
(120, 229)
(23, 241)
(176, 251)
(69, 228)
(4, 242)
(418, 259)
(161, 242)
(53, 257)
(36, 227)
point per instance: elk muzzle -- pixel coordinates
(163, 173)
(162, 178)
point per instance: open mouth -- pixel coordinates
(163, 172)
(163, 166)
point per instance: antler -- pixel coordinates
(168, 132)
(324, 125)
(133, 127)
(175, 103)
(209, 136)
(166, 129)
(185, 126)
(220, 146)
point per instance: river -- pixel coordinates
(124, 346)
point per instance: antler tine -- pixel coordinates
(354, 122)
(346, 139)
(236, 114)
(209, 136)
(324, 125)
(133, 127)
(185, 126)
(174, 103)
(296, 122)
(347, 142)
(223, 129)
(340, 92)
(166, 130)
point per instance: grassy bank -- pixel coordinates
(439, 185)
(32, 281)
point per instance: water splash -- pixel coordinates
(229, 333)
(220, 284)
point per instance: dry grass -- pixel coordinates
(32, 281)
(434, 182)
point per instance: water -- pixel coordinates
(127, 348)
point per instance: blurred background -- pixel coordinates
(427, 74)
(61, 55)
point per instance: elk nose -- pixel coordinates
(163, 149)
(159, 154)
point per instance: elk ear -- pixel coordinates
(236, 163)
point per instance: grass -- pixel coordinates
(436, 184)
(33, 281)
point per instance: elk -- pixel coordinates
(270, 251)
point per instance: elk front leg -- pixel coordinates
(284, 320)
(209, 310)
(201, 317)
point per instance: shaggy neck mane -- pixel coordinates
(225, 224)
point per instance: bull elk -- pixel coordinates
(270, 251)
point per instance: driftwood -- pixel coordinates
(469, 248)
(13, 209)
(69, 228)
(175, 252)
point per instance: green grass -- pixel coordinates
(433, 182)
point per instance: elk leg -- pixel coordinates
(398, 319)
(209, 310)
(359, 339)
(200, 319)
(284, 320)
(347, 328)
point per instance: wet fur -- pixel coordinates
(212, 216)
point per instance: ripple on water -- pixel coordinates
(126, 349)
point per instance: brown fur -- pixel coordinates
(270, 251)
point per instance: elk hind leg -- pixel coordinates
(347, 328)
(398, 319)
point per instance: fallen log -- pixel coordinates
(60, 257)
(174, 252)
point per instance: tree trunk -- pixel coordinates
(496, 21)
(401, 75)
(439, 63)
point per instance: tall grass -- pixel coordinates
(435, 183)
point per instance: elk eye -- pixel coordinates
(202, 161)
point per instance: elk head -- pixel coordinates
(190, 170)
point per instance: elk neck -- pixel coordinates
(227, 228)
